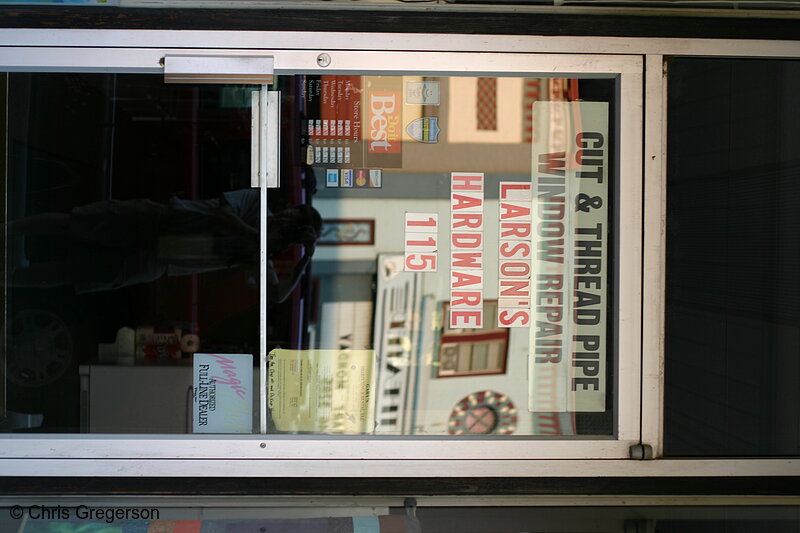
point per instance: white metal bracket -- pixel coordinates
(218, 69)
(265, 138)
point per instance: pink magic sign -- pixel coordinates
(223, 393)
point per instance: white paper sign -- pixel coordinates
(223, 393)
(514, 252)
(570, 226)
(421, 238)
(466, 250)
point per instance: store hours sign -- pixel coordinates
(570, 272)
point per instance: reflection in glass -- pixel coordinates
(118, 243)
(380, 154)
(132, 243)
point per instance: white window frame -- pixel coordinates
(639, 259)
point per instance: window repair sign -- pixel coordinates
(567, 362)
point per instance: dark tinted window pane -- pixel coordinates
(727, 526)
(733, 294)
(117, 267)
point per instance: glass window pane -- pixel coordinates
(460, 275)
(733, 298)
(131, 244)
(132, 257)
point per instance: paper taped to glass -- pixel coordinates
(329, 391)
(567, 362)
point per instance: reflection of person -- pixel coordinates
(116, 243)
(296, 225)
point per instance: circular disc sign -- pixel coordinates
(483, 413)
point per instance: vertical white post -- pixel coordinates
(262, 322)
(255, 138)
(270, 138)
(655, 215)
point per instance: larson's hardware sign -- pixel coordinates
(514, 253)
(466, 250)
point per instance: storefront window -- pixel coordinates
(440, 257)
(460, 279)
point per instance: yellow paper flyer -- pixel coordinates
(327, 391)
